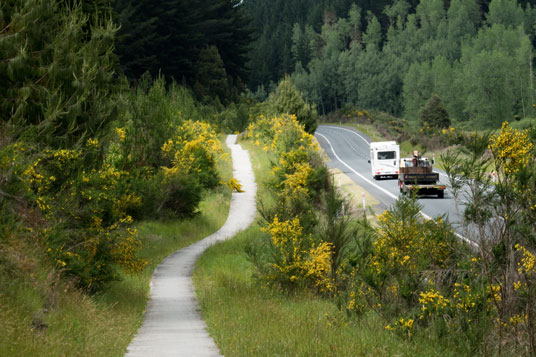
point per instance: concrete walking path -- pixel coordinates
(172, 324)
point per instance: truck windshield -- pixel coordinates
(386, 155)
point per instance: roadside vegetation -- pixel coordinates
(407, 276)
(100, 179)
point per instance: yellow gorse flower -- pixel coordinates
(121, 133)
(511, 149)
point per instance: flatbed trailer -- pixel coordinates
(416, 175)
(438, 190)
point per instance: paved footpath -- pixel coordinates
(173, 325)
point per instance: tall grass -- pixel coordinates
(41, 315)
(247, 318)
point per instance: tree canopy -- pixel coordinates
(169, 36)
(477, 56)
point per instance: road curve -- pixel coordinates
(349, 152)
(172, 324)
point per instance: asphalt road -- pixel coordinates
(349, 152)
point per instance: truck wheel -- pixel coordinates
(441, 194)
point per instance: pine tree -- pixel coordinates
(55, 75)
(168, 36)
(211, 78)
(287, 99)
(137, 38)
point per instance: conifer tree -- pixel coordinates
(55, 74)
(287, 99)
(168, 36)
(211, 78)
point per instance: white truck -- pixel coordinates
(384, 157)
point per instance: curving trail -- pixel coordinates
(172, 324)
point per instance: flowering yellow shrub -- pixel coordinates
(510, 149)
(402, 325)
(410, 244)
(526, 265)
(432, 302)
(281, 133)
(299, 259)
(89, 233)
(193, 150)
(235, 185)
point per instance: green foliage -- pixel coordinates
(287, 99)
(171, 37)
(496, 84)
(61, 99)
(499, 281)
(211, 79)
(434, 114)
(181, 196)
(235, 117)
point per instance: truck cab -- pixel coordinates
(384, 158)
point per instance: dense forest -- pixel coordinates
(202, 46)
(477, 56)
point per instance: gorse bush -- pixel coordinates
(193, 150)
(298, 261)
(298, 257)
(498, 282)
(397, 261)
(88, 231)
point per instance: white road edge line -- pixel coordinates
(351, 131)
(354, 171)
(365, 140)
(381, 188)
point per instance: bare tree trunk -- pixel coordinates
(522, 96)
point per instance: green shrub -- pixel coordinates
(88, 234)
(181, 196)
(288, 100)
(434, 114)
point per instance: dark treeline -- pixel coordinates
(203, 45)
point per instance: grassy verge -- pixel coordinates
(41, 315)
(247, 318)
